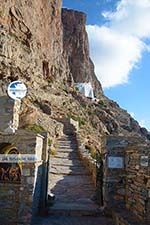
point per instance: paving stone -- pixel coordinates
(70, 182)
(58, 161)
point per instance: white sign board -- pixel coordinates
(144, 160)
(17, 90)
(115, 162)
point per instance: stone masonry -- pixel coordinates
(9, 113)
(127, 179)
(23, 187)
(70, 181)
(19, 201)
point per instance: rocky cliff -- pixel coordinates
(76, 49)
(30, 40)
(50, 55)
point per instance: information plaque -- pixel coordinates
(115, 162)
(144, 161)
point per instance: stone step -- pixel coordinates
(67, 170)
(67, 150)
(66, 180)
(70, 182)
(69, 131)
(72, 220)
(74, 209)
(58, 161)
(74, 150)
(66, 142)
(71, 188)
(66, 194)
(69, 136)
(67, 155)
(70, 167)
(67, 146)
(67, 139)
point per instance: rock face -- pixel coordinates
(30, 39)
(76, 49)
(115, 120)
(49, 51)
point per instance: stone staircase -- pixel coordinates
(70, 182)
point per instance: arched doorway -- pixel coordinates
(9, 172)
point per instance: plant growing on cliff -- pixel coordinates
(92, 150)
(50, 141)
(35, 128)
(53, 151)
(101, 103)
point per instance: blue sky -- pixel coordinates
(119, 36)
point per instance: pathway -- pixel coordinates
(73, 188)
(72, 220)
(70, 182)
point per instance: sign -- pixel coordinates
(115, 162)
(17, 90)
(18, 158)
(144, 161)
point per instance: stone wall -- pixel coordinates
(127, 179)
(122, 178)
(9, 112)
(114, 172)
(95, 167)
(138, 180)
(126, 217)
(88, 162)
(19, 201)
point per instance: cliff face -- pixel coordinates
(30, 40)
(48, 54)
(76, 49)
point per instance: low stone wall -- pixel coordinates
(9, 111)
(126, 217)
(127, 178)
(9, 203)
(114, 172)
(95, 168)
(138, 180)
(89, 162)
(21, 200)
(124, 181)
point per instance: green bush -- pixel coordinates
(35, 128)
(101, 103)
(92, 150)
(53, 151)
(49, 141)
